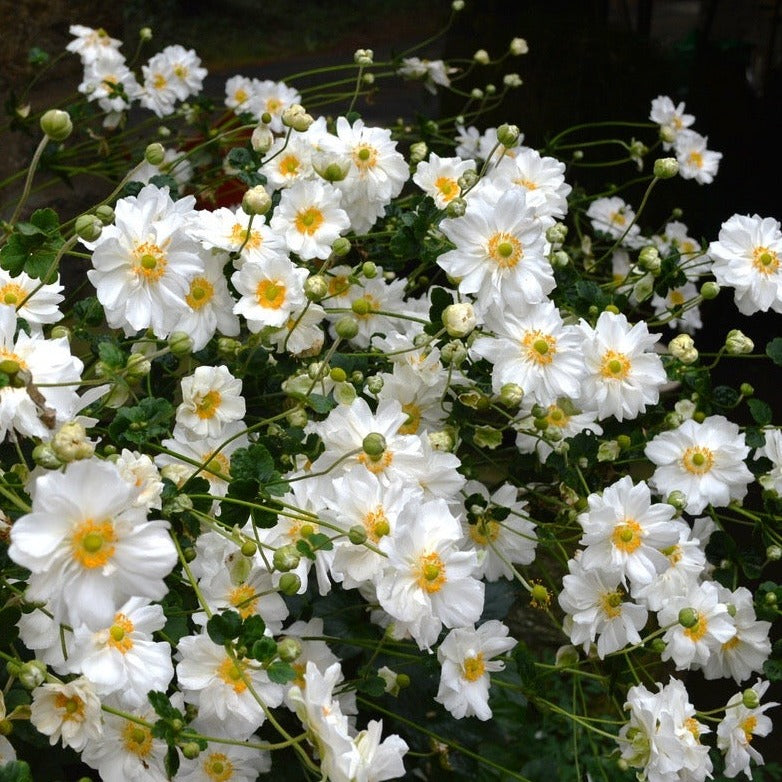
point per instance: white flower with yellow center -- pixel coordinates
(535, 351)
(122, 659)
(140, 471)
(748, 257)
(211, 398)
(772, 450)
(108, 80)
(70, 712)
(187, 73)
(144, 262)
(563, 415)
(218, 685)
(270, 97)
(677, 307)
(430, 72)
(671, 118)
(439, 177)
(310, 219)
(423, 402)
(33, 301)
(598, 608)
(624, 531)
(301, 335)
(623, 373)
(499, 253)
(238, 91)
(88, 545)
(159, 91)
(289, 160)
(695, 160)
(704, 461)
(90, 43)
(613, 217)
(270, 292)
(427, 582)
(225, 763)
(465, 658)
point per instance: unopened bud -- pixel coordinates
(518, 46)
(341, 247)
(649, 259)
(508, 135)
(441, 441)
(286, 558)
(512, 80)
(456, 207)
(559, 259)
(88, 227)
(249, 548)
(364, 57)
(750, 699)
(60, 332)
(457, 5)
(688, 617)
(228, 348)
(262, 139)
(357, 535)
(346, 327)
(511, 395)
(683, 348)
(774, 553)
(32, 674)
(316, 287)
(482, 57)
(454, 352)
(191, 750)
(289, 584)
(256, 201)
(418, 152)
(70, 443)
(667, 134)
(155, 153)
(677, 500)
(738, 343)
(566, 657)
(557, 233)
(374, 445)
(747, 390)
(459, 319)
(44, 456)
(56, 124)
(666, 167)
(145, 34)
(289, 649)
(375, 384)
(180, 344)
(710, 290)
(105, 214)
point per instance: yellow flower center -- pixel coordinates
(764, 260)
(698, 630)
(376, 524)
(270, 294)
(610, 603)
(526, 183)
(365, 157)
(92, 543)
(617, 218)
(378, 466)
(273, 105)
(615, 366)
(159, 81)
(748, 725)
(692, 725)
(539, 348)
(71, 708)
(218, 767)
(473, 667)
(149, 261)
(695, 159)
(430, 572)
(244, 599)
(484, 531)
(289, 165)
(309, 220)
(11, 293)
(698, 460)
(181, 71)
(216, 463)
(240, 96)
(505, 250)
(10, 362)
(676, 298)
(207, 406)
(137, 739)
(119, 634)
(556, 416)
(239, 237)
(413, 422)
(231, 673)
(447, 188)
(627, 537)
(338, 285)
(201, 293)
(731, 643)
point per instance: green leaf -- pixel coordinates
(320, 403)
(46, 220)
(772, 670)
(16, 771)
(374, 686)
(774, 350)
(111, 355)
(171, 762)
(146, 421)
(281, 673)
(264, 649)
(253, 630)
(253, 463)
(320, 542)
(760, 411)
(725, 396)
(224, 627)
(755, 438)
(162, 705)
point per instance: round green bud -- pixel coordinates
(677, 500)
(32, 674)
(677, 213)
(44, 456)
(286, 558)
(357, 535)
(361, 306)
(177, 725)
(6, 727)
(155, 153)
(256, 201)
(289, 649)
(737, 343)
(666, 167)
(105, 214)
(369, 270)
(456, 207)
(341, 247)
(191, 750)
(747, 390)
(623, 441)
(512, 80)
(228, 348)
(418, 152)
(750, 699)
(566, 657)
(649, 258)
(297, 417)
(612, 308)
(289, 584)
(56, 124)
(454, 352)
(457, 5)
(507, 135)
(180, 344)
(189, 553)
(459, 319)
(518, 46)
(709, 290)
(491, 90)
(774, 553)
(316, 287)
(657, 645)
(363, 57)
(60, 332)
(138, 367)
(266, 118)
(557, 233)
(357, 376)
(688, 617)
(346, 327)
(145, 34)
(699, 416)
(540, 423)
(578, 154)
(374, 445)
(770, 599)
(375, 384)
(467, 180)
(88, 227)
(511, 395)
(481, 57)
(249, 548)
(338, 375)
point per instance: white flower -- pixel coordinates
(624, 375)
(89, 43)
(70, 712)
(370, 760)
(41, 301)
(211, 398)
(747, 257)
(695, 160)
(772, 450)
(737, 729)
(270, 97)
(289, 160)
(225, 763)
(88, 545)
(430, 72)
(465, 658)
(671, 118)
(310, 218)
(687, 319)
(597, 608)
(108, 80)
(422, 402)
(499, 253)
(144, 261)
(702, 460)
(238, 90)
(187, 75)
(612, 216)
(439, 177)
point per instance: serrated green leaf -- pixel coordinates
(253, 463)
(281, 673)
(148, 420)
(774, 350)
(171, 762)
(725, 396)
(111, 355)
(264, 649)
(46, 219)
(224, 627)
(16, 771)
(320, 403)
(759, 411)
(253, 629)
(772, 669)
(374, 686)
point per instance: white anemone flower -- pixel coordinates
(439, 177)
(211, 398)
(225, 763)
(41, 301)
(614, 217)
(695, 160)
(670, 117)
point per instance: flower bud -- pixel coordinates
(774, 553)
(249, 548)
(341, 247)
(294, 116)
(559, 259)
(688, 617)
(418, 152)
(608, 451)
(70, 443)
(262, 139)
(363, 57)
(667, 134)
(32, 674)
(518, 46)
(357, 535)
(441, 441)
(482, 57)
(511, 395)
(476, 93)
(286, 558)
(737, 343)
(649, 259)
(709, 290)
(508, 135)
(512, 80)
(44, 456)
(459, 319)
(457, 5)
(346, 327)
(289, 649)
(56, 124)
(88, 227)
(145, 34)
(557, 233)
(228, 348)
(331, 166)
(369, 270)
(190, 750)
(155, 153)
(454, 352)
(256, 201)
(747, 390)
(683, 348)
(677, 499)
(60, 332)
(490, 89)
(180, 344)
(375, 384)
(266, 118)
(374, 445)
(289, 584)
(750, 699)
(566, 657)
(657, 645)
(368, 78)
(456, 207)
(467, 179)
(105, 214)
(666, 167)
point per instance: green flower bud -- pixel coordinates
(649, 259)
(511, 395)
(467, 180)
(316, 287)
(361, 306)
(249, 548)
(456, 207)
(363, 57)
(491, 90)
(290, 584)
(442, 441)
(750, 699)
(459, 319)
(32, 674)
(155, 153)
(375, 384)
(747, 390)
(677, 499)
(180, 344)
(612, 308)
(666, 167)
(289, 649)
(286, 558)
(369, 270)
(228, 348)
(341, 247)
(88, 227)
(256, 201)
(418, 152)
(457, 5)
(518, 46)
(6, 727)
(44, 456)
(657, 645)
(683, 348)
(559, 259)
(557, 233)
(709, 290)
(512, 80)
(346, 327)
(624, 442)
(688, 617)
(70, 443)
(454, 352)
(191, 750)
(507, 135)
(60, 332)
(374, 445)
(357, 535)
(338, 375)
(297, 417)
(261, 139)
(56, 124)
(566, 657)
(738, 343)
(667, 134)
(774, 553)
(105, 214)
(481, 57)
